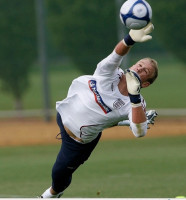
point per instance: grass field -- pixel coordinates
(166, 92)
(132, 168)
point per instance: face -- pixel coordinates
(145, 71)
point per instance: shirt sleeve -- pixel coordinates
(108, 65)
(139, 130)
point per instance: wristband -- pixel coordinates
(128, 40)
(136, 105)
(135, 99)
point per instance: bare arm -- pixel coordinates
(138, 121)
(138, 115)
(134, 36)
(121, 49)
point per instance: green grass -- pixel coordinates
(135, 168)
(167, 92)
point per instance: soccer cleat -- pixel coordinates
(47, 194)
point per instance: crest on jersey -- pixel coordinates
(118, 104)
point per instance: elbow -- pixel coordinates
(140, 134)
(139, 130)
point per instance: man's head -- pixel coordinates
(147, 69)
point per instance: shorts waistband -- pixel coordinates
(72, 135)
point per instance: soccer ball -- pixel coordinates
(135, 14)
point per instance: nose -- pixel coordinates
(139, 69)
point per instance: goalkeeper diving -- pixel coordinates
(108, 98)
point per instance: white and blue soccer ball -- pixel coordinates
(135, 14)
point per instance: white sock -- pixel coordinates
(47, 194)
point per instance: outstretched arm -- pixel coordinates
(150, 115)
(141, 35)
(121, 48)
(111, 62)
(139, 121)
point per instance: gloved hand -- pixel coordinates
(140, 35)
(133, 87)
(150, 115)
(133, 82)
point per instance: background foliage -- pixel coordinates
(88, 32)
(79, 34)
(85, 32)
(170, 19)
(17, 46)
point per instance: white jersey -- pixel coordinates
(94, 102)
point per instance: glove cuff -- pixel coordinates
(128, 40)
(135, 100)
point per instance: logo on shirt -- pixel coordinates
(118, 104)
(98, 99)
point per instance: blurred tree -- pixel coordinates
(169, 18)
(18, 46)
(84, 31)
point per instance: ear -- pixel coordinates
(145, 84)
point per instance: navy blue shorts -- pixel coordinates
(71, 155)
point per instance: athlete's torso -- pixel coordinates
(94, 102)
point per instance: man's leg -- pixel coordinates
(71, 155)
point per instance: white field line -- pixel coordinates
(14, 196)
(79, 198)
(171, 112)
(52, 112)
(26, 113)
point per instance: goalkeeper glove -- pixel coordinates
(140, 35)
(133, 87)
(150, 115)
